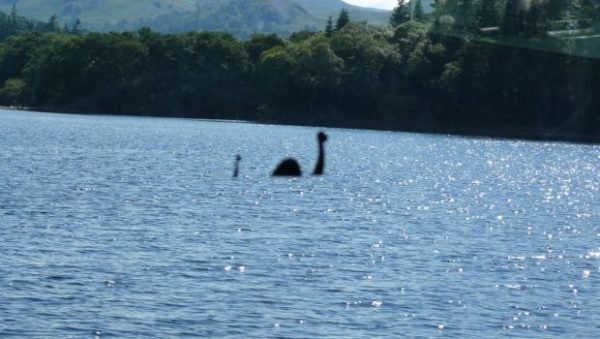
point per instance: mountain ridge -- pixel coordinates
(239, 17)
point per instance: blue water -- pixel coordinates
(133, 227)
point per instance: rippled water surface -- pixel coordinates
(133, 227)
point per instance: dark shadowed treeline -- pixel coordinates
(431, 74)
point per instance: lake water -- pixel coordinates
(133, 227)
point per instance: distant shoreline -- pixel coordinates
(504, 134)
(448, 85)
(16, 108)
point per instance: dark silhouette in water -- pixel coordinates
(236, 170)
(320, 165)
(291, 168)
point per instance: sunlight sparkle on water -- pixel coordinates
(406, 234)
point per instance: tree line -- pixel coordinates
(14, 24)
(430, 73)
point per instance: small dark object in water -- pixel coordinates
(290, 167)
(236, 170)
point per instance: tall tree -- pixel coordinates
(14, 22)
(466, 13)
(487, 14)
(536, 20)
(52, 25)
(401, 13)
(556, 9)
(514, 18)
(260, 43)
(418, 14)
(13, 14)
(76, 27)
(329, 27)
(343, 19)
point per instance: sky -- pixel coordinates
(385, 4)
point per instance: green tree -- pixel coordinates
(368, 64)
(274, 73)
(329, 27)
(13, 14)
(52, 25)
(218, 66)
(418, 14)
(513, 20)
(536, 19)
(317, 71)
(53, 73)
(409, 35)
(487, 13)
(463, 12)
(298, 37)
(76, 27)
(556, 9)
(12, 91)
(259, 43)
(18, 51)
(301, 75)
(343, 19)
(401, 13)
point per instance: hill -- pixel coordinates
(240, 17)
(97, 14)
(323, 8)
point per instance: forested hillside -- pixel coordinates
(98, 14)
(471, 69)
(239, 17)
(321, 9)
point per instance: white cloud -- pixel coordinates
(386, 4)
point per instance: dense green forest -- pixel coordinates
(470, 67)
